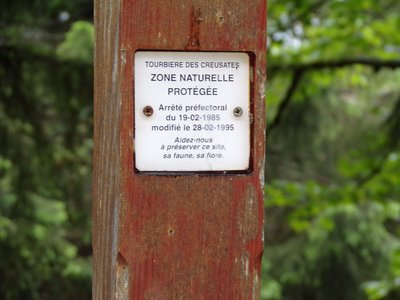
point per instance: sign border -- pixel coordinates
(249, 170)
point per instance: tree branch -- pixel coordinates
(297, 75)
(299, 69)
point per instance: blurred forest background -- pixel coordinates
(333, 159)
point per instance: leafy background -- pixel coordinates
(333, 160)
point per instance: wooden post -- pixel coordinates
(180, 230)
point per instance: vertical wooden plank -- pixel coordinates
(173, 237)
(106, 154)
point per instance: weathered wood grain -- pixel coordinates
(173, 237)
(106, 154)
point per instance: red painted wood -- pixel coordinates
(192, 236)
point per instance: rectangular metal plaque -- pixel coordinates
(192, 111)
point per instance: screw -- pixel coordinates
(148, 111)
(237, 111)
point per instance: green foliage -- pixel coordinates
(45, 138)
(78, 44)
(309, 30)
(346, 245)
(333, 187)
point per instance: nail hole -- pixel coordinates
(171, 231)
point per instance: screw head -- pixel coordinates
(237, 111)
(148, 111)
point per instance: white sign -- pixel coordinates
(192, 111)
